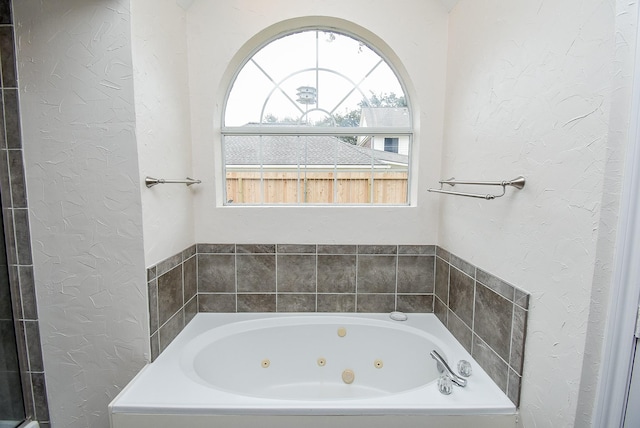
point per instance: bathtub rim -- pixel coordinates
(131, 401)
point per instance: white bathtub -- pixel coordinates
(316, 370)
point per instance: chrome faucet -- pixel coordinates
(443, 367)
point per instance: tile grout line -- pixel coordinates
(395, 293)
(316, 275)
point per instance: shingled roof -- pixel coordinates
(309, 150)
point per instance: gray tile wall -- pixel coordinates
(16, 229)
(487, 315)
(315, 278)
(11, 403)
(172, 287)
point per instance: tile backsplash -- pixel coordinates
(487, 315)
(310, 278)
(172, 290)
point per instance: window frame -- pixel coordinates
(331, 131)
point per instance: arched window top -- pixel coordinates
(316, 116)
(317, 77)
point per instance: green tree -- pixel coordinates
(349, 118)
(270, 118)
(384, 100)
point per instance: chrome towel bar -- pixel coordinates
(150, 181)
(517, 182)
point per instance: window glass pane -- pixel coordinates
(320, 79)
(345, 54)
(334, 91)
(390, 187)
(281, 109)
(298, 47)
(340, 73)
(250, 86)
(289, 169)
(382, 81)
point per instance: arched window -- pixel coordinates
(316, 116)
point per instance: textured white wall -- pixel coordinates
(83, 186)
(542, 89)
(620, 121)
(159, 43)
(534, 88)
(218, 31)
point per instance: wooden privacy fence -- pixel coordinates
(359, 187)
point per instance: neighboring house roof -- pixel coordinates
(385, 117)
(309, 150)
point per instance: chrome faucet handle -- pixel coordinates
(464, 368)
(442, 364)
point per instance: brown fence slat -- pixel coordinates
(317, 187)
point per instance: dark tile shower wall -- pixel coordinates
(16, 228)
(11, 402)
(487, 315)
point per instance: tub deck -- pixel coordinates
(162, 395)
